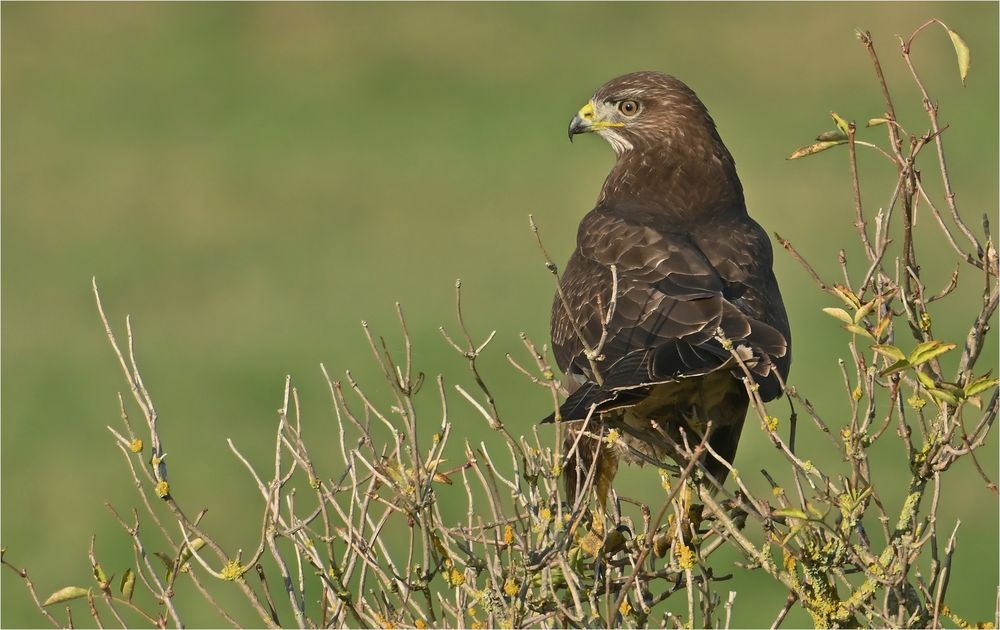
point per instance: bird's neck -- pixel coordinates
(693, 179)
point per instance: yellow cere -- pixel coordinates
(588, 112)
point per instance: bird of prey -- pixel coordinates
(668, 276)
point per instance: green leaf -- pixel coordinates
(128, 584)
(840, 314)
(865, 310)
(66, 594)
(980, 385)
(883, 324)
(167, 561)
(875, 122)
(840, 122)
(827, 136)
(791, 513)
(942, 394)
(185, 555)
(858, 330)
(898, 366)
(890, 351)
(925, 379)
(963, 53)
(814, 148)
(99, 575)
(196, 544)
(928, 350)
(847, 296)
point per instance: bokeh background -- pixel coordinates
(249, 181)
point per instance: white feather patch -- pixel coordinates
(615, 139)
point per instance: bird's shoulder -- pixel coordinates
(641, 243)
(725, 249)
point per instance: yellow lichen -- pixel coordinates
(455, 577)
(419, 623)
(136, 445)
(625, 608)
(686, 557)
(511, 587)
(789, 561)
(665, 480)
(591, 543)
(162, 489)
(925, 322)
(232, 571)
(612, 437)
(508, 534)
(771, 423)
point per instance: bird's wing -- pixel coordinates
(670, 302)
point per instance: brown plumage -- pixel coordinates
(671, 225)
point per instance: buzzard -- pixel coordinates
(668, 270)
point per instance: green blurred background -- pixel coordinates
(249, 181)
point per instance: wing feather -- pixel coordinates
(674, 292)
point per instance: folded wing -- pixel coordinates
(659, 301)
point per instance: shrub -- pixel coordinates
(842, 552)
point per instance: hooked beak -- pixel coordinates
(583, 121)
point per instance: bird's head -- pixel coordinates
(640, 110)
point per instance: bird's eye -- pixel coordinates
(629, 108)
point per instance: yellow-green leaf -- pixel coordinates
(892, 352)
(814, 148)
(875, 122)
(942, 394)
(840, 122)
(858, 330)
(847, 296)
(128, 584)
(99, 574)
(925, 379)
(865, 310)
(898, 366)
(827, 136)
(66, 594)
(883, 324)
(928, 350)
(167, 561)
(840, 314)
(197, 544)
(791, 512)
(980, 385)
(963, 53)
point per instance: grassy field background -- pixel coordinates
(250, 181)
